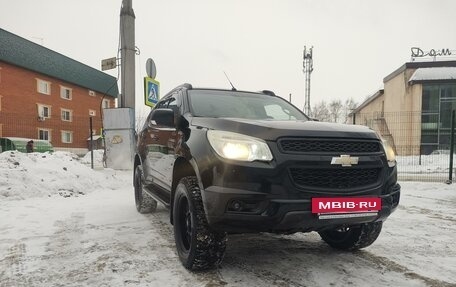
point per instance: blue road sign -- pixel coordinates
(151, 92)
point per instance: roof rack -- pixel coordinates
(268, 92)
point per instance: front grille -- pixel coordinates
(334, 178)
(334, 146)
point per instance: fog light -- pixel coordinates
(236, 205)
(244, 206)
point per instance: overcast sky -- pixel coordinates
(259, 43)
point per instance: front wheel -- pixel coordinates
(144, 203)
(352, 237)
(198, 246)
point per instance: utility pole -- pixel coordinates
(127, 54)
(119, 123)
(307, 64)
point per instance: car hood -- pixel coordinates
(272, 130)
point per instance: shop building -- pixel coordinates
(413, 110)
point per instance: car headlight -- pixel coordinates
(239, 147)
(389, 151)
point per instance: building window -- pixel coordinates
(1, 130)
(44, 112)
(66, 93)
(438, 101)
(67, 115)
(92, 93)
(92, 113)
(44, 134)
(67, 137)
(43, 87)
(105, 104)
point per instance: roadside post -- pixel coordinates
(151, 86)
(91, 142)
(450, 172)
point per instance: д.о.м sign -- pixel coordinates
(151, 92)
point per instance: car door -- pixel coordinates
(160, 152)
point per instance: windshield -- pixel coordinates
(233, 104)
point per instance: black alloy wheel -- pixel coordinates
(144, 203)
(352, 237)
(198, 246)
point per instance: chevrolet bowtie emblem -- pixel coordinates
(345, 160)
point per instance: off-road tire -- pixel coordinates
(144, 203)
(352, 238)
(198, 247)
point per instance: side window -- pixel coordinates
(169, 103)
(161, 105)
(172, 103)
(175, 102)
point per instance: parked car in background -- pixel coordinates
(20, 144)
(441, 151)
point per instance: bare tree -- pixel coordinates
(320, 111)
(349, 106)
(335, 110)
(139, 122)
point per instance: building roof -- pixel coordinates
(20, 52)
(367, 101)
(433, 74)
(417, 65)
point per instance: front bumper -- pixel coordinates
(242, 197)
(263, 213)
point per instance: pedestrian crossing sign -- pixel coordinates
(151, 92)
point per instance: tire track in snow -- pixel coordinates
(310, 259)
(66, 240)
(430, 213)
(395, 267)
(258, 256)
(160, 220)
(12, 268)
(266, 275)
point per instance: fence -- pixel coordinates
(421, 142)
(65, 132)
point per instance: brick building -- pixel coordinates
(46, 95)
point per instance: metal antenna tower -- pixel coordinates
(307, 64)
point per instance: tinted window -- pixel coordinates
(227, 104)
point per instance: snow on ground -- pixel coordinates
(60, 173)
(64, 224)
(434, 163)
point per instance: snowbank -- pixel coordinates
(48, 174)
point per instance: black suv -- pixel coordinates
(228, 161)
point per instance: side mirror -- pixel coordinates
(314, 119)
(163, 117)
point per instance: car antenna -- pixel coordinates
(232, 87)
